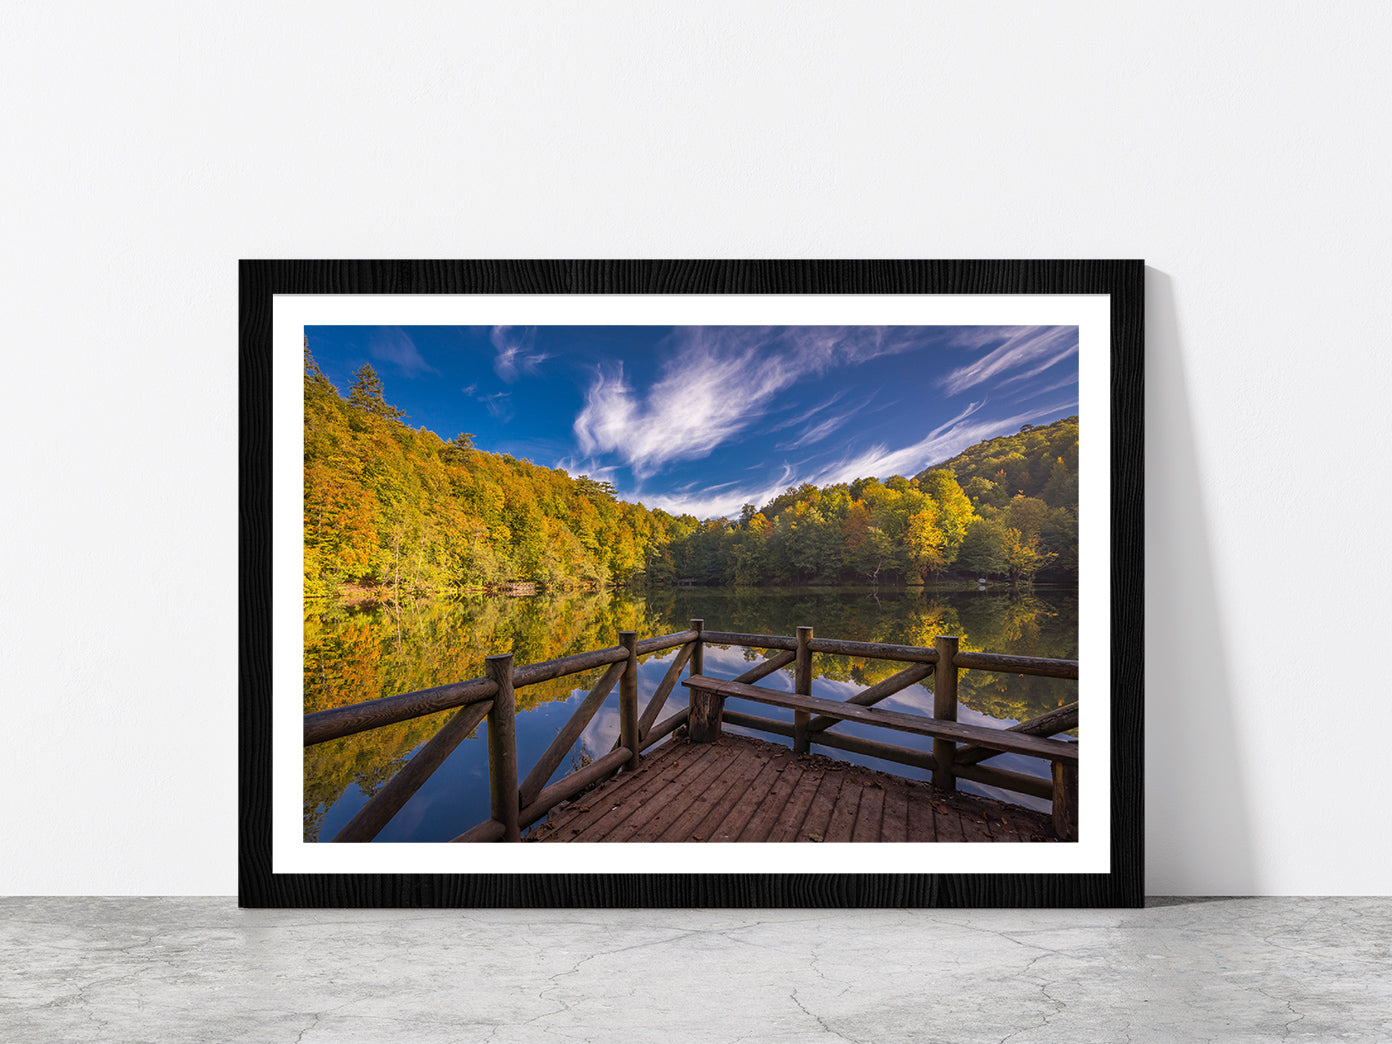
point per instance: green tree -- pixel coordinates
(366, 394)
(868, 548)
(984, 550)
(457, 450)
(595, 490)
(1028, 515)
(315, 381)
(924, 543)
(1059, 536)
(1023, 558)
(955, 510)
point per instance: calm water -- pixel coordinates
(353, 655)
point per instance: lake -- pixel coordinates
(356, 654)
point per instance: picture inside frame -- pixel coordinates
(848, 545)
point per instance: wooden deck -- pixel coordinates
(743, 789)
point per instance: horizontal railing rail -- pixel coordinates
(958, 751)
(514, 806)
(322, 726)
(326, 725)
(1006, 664)
(1002, 740)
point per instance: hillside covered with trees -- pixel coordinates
(1006, 508)
(398, 510)
(391, 510)
(1024, 488)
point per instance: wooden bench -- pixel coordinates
(708, 697)
(707, 720)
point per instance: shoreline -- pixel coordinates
(357, 596)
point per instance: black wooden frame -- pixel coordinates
(258, 886)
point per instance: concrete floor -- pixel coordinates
(1230, 970)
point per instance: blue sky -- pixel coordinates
(704, 419)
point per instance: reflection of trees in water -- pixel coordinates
(1022, 624)
(367, 759)
(356, 655)
(1026, 625)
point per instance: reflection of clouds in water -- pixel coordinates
(916, 699)
(601, 732)
(603, 729)
(730, 663)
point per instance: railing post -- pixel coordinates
(697, 660)
(704, 722)
(698, 702)
(628, 699)
(1065, 801)
(502, 748)
(945, 709)
(802, 685)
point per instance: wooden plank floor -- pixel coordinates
(744, 789)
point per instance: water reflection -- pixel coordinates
(358, 654)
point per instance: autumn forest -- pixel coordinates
(391, 510)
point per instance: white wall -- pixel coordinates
(1243, 152)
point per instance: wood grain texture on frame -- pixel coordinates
(260, 281)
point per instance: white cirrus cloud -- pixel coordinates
(803, 414)
(1036, 392)
(575, 467)
(715, 383)
(498, 405)
(940, 444)
(713, 503)
(815, 433)
(393, 345)
(516, 355)
(1040, 367)
(1038, 347)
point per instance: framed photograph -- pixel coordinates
(691, 583)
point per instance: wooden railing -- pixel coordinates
(514, 805)
(958, 750)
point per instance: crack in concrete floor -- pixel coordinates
(122, 969)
